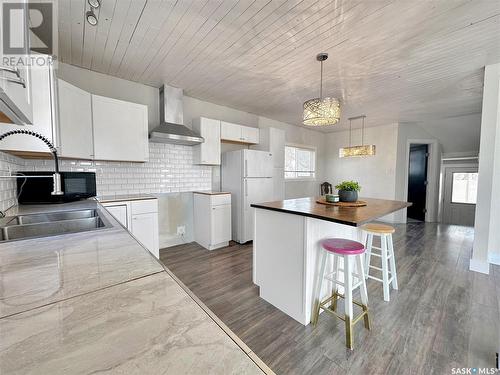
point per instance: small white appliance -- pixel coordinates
(248, 176)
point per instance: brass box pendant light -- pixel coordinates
(360, 150)
(321, 111)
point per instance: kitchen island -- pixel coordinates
(286, 244)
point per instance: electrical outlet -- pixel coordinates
(181, 230)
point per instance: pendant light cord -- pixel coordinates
(363, 133)
(350, 131)
(321, 82)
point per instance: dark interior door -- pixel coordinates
(417, 181)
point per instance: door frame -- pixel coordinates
(447, 190)
(469, 162)
(432, 188)
(420, 147)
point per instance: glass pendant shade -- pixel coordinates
(321, 111)
(357, 151)
(360, 150)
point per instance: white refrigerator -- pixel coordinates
(248, 176)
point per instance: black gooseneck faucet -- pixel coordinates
(56, 177)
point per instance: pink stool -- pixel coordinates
(351, 252)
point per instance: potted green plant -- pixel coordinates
(348, 191)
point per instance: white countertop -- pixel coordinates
(211, 192)
(123, 197)
(98, 301)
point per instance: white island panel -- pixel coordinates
(285, 258)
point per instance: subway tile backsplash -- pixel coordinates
(8, 190)
(170, 169)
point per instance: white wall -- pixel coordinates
(384, 175)
(414, 133)
(458, 134)
(194, 108)
(487, 237)
(376, 174)
(302, 136)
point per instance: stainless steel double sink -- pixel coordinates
(51, 224)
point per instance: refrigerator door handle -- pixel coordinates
(246, 188)
(246, 168)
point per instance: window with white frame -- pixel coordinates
(300, 162)
(464, 188)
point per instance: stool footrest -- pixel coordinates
(338, 295)
(379, 269)
(376, 278)
(379, 255)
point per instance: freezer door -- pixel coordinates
(255, 190)
(257, 163)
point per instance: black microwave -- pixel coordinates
(75, 185)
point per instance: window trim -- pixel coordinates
(304, 147)
(451, 193)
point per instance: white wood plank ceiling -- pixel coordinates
(406, 60)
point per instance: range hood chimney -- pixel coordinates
(171, 128)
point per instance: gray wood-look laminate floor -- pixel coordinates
(443, 315)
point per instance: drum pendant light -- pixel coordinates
(321, 111)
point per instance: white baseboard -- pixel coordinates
(494, 258)
(479, 266)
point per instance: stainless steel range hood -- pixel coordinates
(171, 129)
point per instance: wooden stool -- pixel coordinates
(389, 275)
(351, 252)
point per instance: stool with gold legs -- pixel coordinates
(352, 254)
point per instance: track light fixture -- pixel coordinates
(94, 3)
(91, 17)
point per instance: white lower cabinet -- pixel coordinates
(120, 213)
(140, 217)
(212, 220)
(143, 229)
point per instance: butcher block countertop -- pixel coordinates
(353, 216)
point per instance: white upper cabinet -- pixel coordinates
(120, 130)
(16, 105)
(100, 128)
(238, 133)
(249, 135)
(75, 122)
(230, 132)
(208, 152)
(44, 115)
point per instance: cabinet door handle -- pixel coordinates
(14, 70)
(18, 81)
